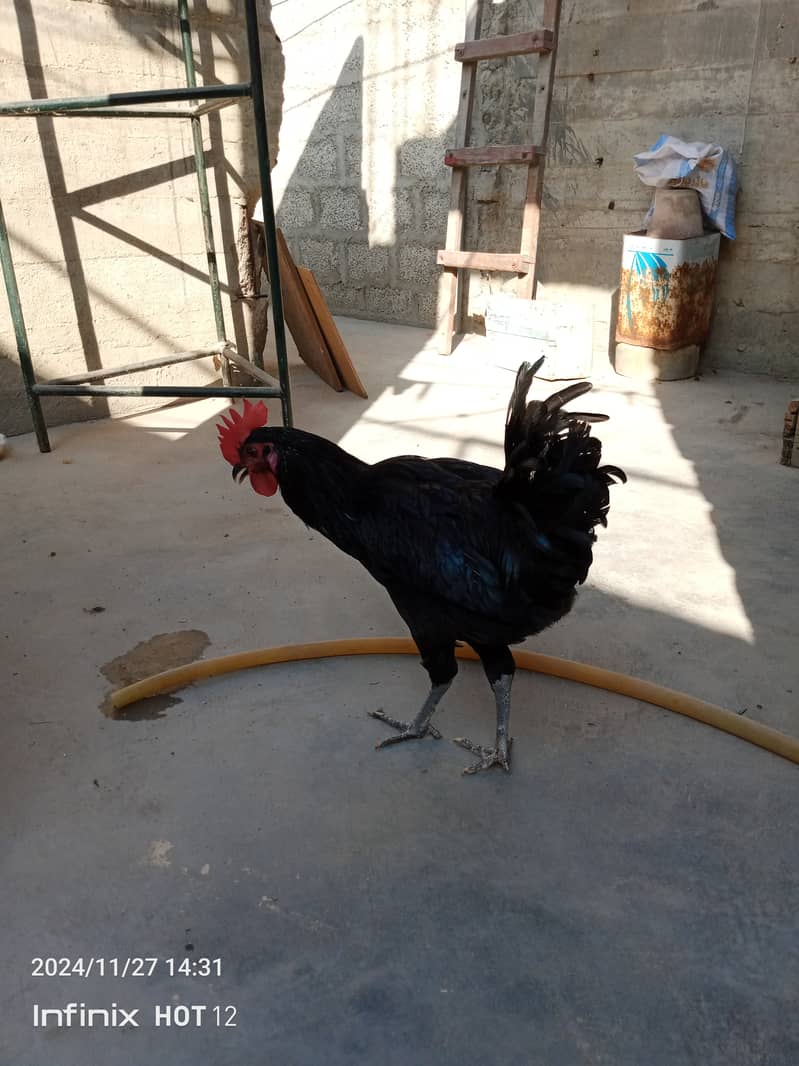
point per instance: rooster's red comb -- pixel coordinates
(237, 428)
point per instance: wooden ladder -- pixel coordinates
(453, 258)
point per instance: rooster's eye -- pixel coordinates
(251, 451)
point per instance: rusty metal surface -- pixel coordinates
(666, 309)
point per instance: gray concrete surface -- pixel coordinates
(627, 896)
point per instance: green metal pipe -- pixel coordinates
(267, 201)
(114, 112)
(148, 96)
(194, 391)
(21, 334)
(134, 368)
(202, 181)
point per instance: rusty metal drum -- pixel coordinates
(666, 290)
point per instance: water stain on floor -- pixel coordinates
(164, 651)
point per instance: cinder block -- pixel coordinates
(395, 305)
(353, 157)
(417, 264)
(322, 257)
(423, 158)
(366, 264)
(319, 159)
(341, 209)
(427, 303)
(435, 211)
(296, 210)
(343, 106)
(405, 209)
(345, 299)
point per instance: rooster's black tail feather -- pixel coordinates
(552, 466)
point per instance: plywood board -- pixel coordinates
(301, 320)
(335, 344)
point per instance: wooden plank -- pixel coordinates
(511, 262)
(515, 44)
(335, 343)
(492, 155)
(531, 216)
(301, 320)
(449, 289)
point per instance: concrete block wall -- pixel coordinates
(372, 92)
(723, 71)
(370, 97)
(104, 213)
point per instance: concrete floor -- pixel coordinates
(627, 896)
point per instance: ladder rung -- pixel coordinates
(512, 262)
(515, 44)
(491, 155)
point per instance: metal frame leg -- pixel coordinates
(25, 361)
(202, 183)
(262, 143)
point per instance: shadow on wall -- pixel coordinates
(65, 222)
(230, 184)
(379, 261)
(370, 224)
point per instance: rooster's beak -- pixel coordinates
(239, 473)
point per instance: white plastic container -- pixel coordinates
(522, 329)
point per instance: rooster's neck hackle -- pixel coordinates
(318, 480)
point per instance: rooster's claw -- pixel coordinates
(488, 756)
(405, 730)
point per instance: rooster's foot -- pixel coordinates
(405, 730)
(489, 757)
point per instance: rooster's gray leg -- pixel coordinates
(499, 755)
(420, 726)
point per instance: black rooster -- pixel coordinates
(466, 552)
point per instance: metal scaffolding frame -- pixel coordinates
(119, 105)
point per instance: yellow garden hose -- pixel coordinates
(755, 732)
